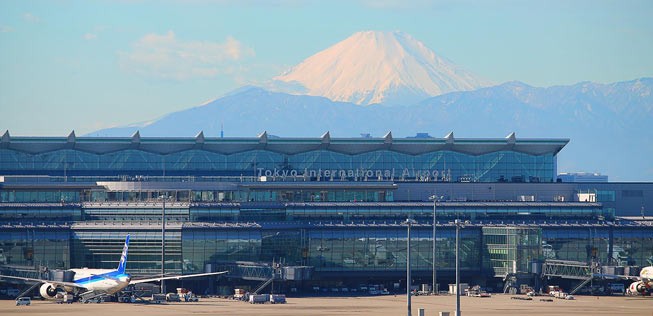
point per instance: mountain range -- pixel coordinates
(609, 125)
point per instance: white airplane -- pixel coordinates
(93, 282)
(644, 284)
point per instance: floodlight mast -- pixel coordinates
(434, 288)
(409, 222)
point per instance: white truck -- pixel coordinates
(258, 298)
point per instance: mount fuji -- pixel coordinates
(374, 67)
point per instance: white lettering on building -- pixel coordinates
(357, 174)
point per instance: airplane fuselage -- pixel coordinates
(107, 281)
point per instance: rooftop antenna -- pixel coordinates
(221, 130)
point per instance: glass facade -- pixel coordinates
(331, 249)
(201, 247)
(44, 212)
(40, 196)
(36, 247)
(372, 247)
(136, 213)
(385, 249)
(610, 246)
(632, 247)
(577, 244)
(316, 195)
(511, 249)
(101, 248)
(338, 160)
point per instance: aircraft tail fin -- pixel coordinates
(123, 257)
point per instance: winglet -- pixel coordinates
(123, 257)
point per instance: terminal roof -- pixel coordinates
(351, 146)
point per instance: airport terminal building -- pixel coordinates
(333, 206)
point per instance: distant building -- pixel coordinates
(421, 135)
(582, 177)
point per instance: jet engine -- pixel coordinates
(640, 287)
(49, 291)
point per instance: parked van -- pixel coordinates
(23, 301)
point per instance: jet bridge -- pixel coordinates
(266, 273)
(573, 270)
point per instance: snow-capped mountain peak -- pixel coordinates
(378, 67)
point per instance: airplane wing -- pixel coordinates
(175, 277)
(70, 284)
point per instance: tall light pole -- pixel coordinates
(458, 224)
(409, 222)
(163, 241)
(434, 288)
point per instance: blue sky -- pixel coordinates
(87, 65)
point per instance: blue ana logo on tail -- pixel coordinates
(123, 257)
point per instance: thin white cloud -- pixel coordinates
(168, 57)
(95, 33)
(6, 29)
(29, 17)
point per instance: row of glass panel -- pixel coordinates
(326, 249)
(315, 195)
(234, 214)
(511, 249)
(450, 166)
(46, 196)
(282, 195)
